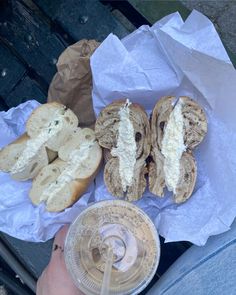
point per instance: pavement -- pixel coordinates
(223, 14)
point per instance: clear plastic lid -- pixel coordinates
(122, 227)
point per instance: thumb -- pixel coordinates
(59, 241)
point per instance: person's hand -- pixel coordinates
(55, 280)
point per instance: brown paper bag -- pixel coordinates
(72, 84)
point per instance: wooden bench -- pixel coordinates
(32, 36)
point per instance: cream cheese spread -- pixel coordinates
(173, 146)
(34, 144)
(126, 147)
(76, 159)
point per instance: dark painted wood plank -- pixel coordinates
(11, 71)
(35, 256)
(27, 89)
(130, 12)
(88, 19)
(169, 253)
(3, 105)
(30, 38)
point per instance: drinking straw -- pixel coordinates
(107, 272)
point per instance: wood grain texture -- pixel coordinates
(3, 106)
(35, 256)
(31, 38)
(11, 71)
(87, 19)
(26, 89)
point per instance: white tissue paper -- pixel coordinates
(179, 58)
(170, 58)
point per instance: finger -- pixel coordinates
(41, 284)
(60, 236)
(58, 243)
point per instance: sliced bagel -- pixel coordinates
(186, 182)
(10, 154)
(53, 122)
(191, 124)
(42, 116)
(160, 116)
(34, 165)
(187, 178)
(48, 128)
(113, 181)
(78, 137)
(106, 154)
(46, 176)
(156, 174)
(107, 125)
(195, 122)
(62, 182)
(123, 130)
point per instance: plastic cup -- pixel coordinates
(122, 228)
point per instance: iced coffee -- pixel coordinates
(128, 232)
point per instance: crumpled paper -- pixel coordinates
(178, 58)
(170, 58)
(72, 84)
